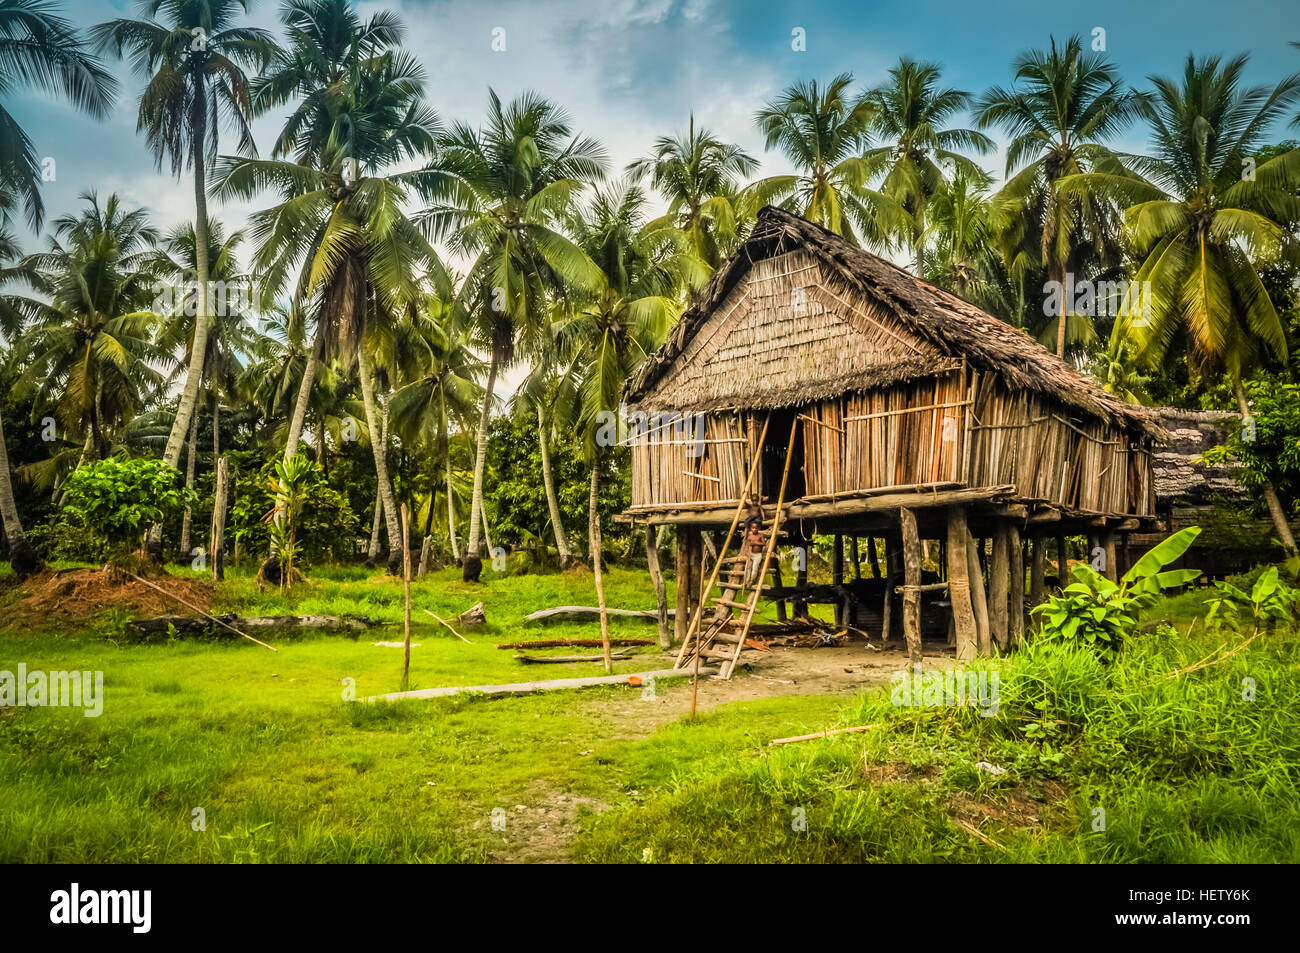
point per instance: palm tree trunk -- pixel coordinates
(299, 418)
(1271, 499)
(189, 484)
(199, 346)
(22, 557)
(216, 430)
(480, 459)
(552, 502)
(380, 448)
(451, 494)
(373, 551)
(1061, 316)
(593, 534)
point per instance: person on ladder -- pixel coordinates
(754, 542)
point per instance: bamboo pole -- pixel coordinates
(999, 587)
(979, 600)
(406, 593)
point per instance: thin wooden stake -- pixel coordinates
(406, 593)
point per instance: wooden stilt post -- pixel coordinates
(1037, 569)
(1112, 558)
(872, 560)
(801, 580)
(999, 586)
(911, 585)
(965, 631)
(857, 560)
(1016, 596)
(776, 581)
(837, 576)
(682, 618)
(661, 590)
(979, 601)
(1062, 563)
(887, 609)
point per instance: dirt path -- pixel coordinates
(543, 829)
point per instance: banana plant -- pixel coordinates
(1100, 611)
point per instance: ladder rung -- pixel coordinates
(726, 637)
(714, 653)
(730, 604)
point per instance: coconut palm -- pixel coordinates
(617, 327)
(495, 195)
(1067, 105)
(14, 311)
(41, 50)
(442, 390)
(195, 57)
(700, 176)
(822, 131)
(89, 351)
(229, 336)
(1203, 225)
(909, 114)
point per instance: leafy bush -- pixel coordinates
(1099, 612)
(111, 504)
(1269, 603)
(325, 526)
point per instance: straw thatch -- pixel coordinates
(799, 315)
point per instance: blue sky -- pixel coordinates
(631, 70)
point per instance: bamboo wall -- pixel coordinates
(959, 429)
(674, 464)
(901, 436)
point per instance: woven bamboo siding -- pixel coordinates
(900, 436)
(672, 464)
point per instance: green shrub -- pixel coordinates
(110, 505)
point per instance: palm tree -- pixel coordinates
(342, 217)
(195, 60)
(617, 327)
(90, 351)
(23, 557)
(442, 390)
(909, 114)
(40, 49)
(823, 131)
(496, 194)
(1069, 104)
(700, 175)
(963, 257)
(222, 364)
(1202, 226)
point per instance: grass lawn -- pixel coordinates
(283, 769)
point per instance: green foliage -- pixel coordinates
(115, 501)
(1269, 603)
(325, 524)
(1098, 612)
(1267, 444)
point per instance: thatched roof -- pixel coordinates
(950, 326)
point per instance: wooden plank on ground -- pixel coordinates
(526, 688)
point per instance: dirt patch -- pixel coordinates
(77, 596)
(539, 832)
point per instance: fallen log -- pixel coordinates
(556, 659)
(188, 626)
(576, 643)
(592, 613)
(524, 688)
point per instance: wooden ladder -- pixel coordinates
(722, 640)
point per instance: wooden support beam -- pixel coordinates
(837, 576)
(999, 587)
(661, 589)
(959, 592)
(857, 560)
(1112, 558)
(872, 560)
(1016, 596)
(911, 585)
(682, 617)
(887, 608)
(1037, 569)
(979, 600)
(1062, 561)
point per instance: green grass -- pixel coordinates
(285, 770)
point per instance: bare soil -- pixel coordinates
(75, 597)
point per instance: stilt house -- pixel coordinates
(858, 401)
